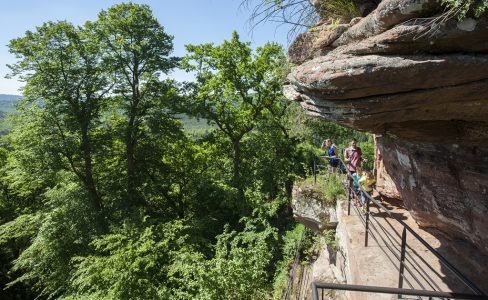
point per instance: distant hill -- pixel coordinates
(9, 98)
(193, 125)
(8, 102)
(7, 105)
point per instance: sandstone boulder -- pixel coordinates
(310, 209)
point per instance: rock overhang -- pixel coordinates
(403, 72)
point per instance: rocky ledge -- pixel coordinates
(420, 82)
(310, 208)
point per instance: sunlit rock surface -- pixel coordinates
(421, 83)
(310, 209)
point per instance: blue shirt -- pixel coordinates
(356, 180)
(331, 152)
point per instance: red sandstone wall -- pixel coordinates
(443, 186)
(384, 184)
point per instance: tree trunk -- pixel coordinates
(130, 153)
(131, 143)
(236, 176)
(88, 180)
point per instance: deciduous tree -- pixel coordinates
(234, 86)
(62, 67)
(136, 49)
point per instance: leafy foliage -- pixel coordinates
(234, 89)
(339, 11)
(129, 263)
(238, 269)
(136, 49)
(334, 187)
(367, 148)
(104, 195)
(296, 243)
(64, 232)
(60, 64)
(461, 9)
(300, 14)
(328, 188)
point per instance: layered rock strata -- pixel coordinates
(419, 81)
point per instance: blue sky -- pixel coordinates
(189, 21)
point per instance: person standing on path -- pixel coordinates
(331, 149)
(353, 156)
(367, 181)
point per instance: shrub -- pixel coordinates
(238, 269)
(333, 188)
(328, 188)
(296, 241)
(341, 11)
(461, 9)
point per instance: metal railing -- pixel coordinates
(295, 267)
(386, 290)
(316, 166)
(415, 269)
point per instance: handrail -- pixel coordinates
(296, 261)
(406, 227)
(389, 290)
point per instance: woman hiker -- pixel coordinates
(331, 149)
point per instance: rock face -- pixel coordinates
(384, 183)
(420, 83)
(444, 186)
(329, 267)
(310, 210)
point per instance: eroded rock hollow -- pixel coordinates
(419, 81)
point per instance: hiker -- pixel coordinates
(355, 189)
(331, 153)
(353, 157)
(367, 181)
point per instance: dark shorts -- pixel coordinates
(333, 163)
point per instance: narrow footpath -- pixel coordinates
(378, 263)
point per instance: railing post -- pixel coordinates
(478, 293)
(402, 260)
(348, 196)
(367, 222)
(314, 170)
(315, 294)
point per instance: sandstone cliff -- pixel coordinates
(420, 82)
